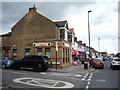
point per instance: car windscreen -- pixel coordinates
(98, 60)
(116, 59)
(37, 58)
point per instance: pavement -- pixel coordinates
(78, 69)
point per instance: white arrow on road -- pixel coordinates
(47, 83)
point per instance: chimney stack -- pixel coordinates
(33, 9)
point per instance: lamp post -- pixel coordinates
(99, 46)
(89, 31)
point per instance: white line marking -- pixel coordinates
(38, 82)
(87, 87)
(86, 75)
(91, 75)
(55, 84)
(88, 83)
(83, 79)
(89, 79)
(102, 80)
(78, 75)
(43, 73)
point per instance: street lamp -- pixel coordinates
(99, 46)
(89, 30)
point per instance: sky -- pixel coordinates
(103, 19)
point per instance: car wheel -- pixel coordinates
(44, 69)
(16, 68)
(111, 67)
(3, 66)
(37, 68)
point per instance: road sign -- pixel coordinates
(56, 45)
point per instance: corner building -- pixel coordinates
(35, 34)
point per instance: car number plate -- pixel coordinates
(97, 63)
(48, 62)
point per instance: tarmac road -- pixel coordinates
(81, 79)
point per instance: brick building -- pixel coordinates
(35, 34)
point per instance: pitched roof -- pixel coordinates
(61, 23)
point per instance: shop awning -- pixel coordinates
(75, 52)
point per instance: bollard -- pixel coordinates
(85, 65)
(82, 62)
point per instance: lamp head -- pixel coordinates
(89, 11)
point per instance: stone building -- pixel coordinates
(35, 34)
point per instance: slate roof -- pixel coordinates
(61, 23)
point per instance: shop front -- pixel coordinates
(61, 57)
(75, 56)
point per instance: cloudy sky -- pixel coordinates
(103, 18)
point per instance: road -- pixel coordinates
(100, 78)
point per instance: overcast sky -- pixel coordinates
(103, 19)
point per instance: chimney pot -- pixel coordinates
(33, 9)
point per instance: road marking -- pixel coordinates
(101, 80)
(88, 83)
(66, 74)
(91, 75)
(87, 87)
(43, 73)
(55, 84)
(86, 75)
(89, 79)
(47, 83)
(78, 75)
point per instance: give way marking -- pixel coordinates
(47, 83)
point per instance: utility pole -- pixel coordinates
(89, 31)
(99, 46)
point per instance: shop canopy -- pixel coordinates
(75, 52)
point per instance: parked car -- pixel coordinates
(115, 63)
(105, 58)
(6, 62)
(47, 58)
(98, 63)
(36, 62)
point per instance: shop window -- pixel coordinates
(6, 53)
(39, 51)
(27, 51)
(14, 52)
(47, 52)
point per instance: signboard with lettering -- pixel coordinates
(41, 44)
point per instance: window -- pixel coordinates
(27, 51)
(62, 34)
(14, 52)
(39, 51)
(47, 52)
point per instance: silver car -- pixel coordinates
(115, 63)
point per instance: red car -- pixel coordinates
(98, 63)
